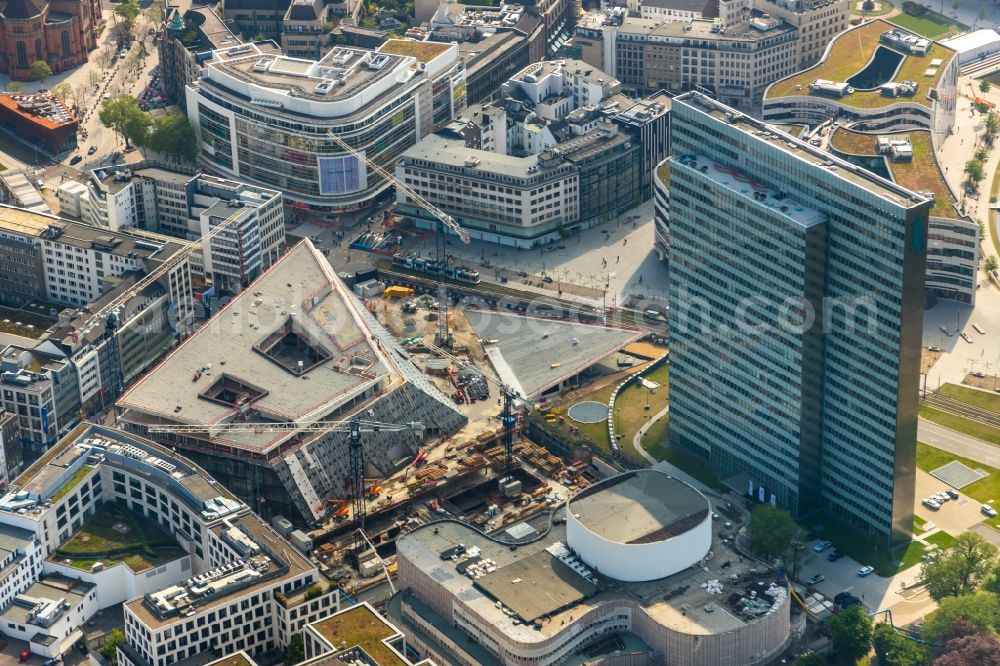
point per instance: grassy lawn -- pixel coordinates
(995, 186)
(142, 543)
(630, 407)
(920, 174)
(72, 483)
(976, 397)
(850, 53)
(961, 424)
(940, 539)
(930, 24)
(984, 491)
(360, 626)
(693, 465)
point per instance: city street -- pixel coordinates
(92, 84)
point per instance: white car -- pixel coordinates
(865, 570)
(988, 511)
(821, 546)
(942, 498)
(931, 504)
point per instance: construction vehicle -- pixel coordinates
(398, 292)
(979, 101)
(445, 222)
(110, 314)
(354, 427)
(509, 487)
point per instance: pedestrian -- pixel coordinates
(618, 259)
(626, 242)
(640, 279)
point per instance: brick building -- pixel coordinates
(59, 32)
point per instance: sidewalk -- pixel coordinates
(637, 438)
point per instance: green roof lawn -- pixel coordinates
(920, 175)
(359, 626)
(103, 533)
(850, 53)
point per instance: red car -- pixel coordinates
(25, 655)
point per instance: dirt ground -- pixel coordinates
(989, 382)
(927, 359)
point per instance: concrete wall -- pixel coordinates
(119, 583)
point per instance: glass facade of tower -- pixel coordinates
(796, 313)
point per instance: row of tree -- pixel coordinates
(171, 134)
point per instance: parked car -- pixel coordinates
(846, 600)
(931, 504)
(50, 662)
(818, 578)
(942, 498)
(91, 150)
(24, 656)
(81, 646)
(865, 570)
(76, 159)
(821, 546)
(953, 494)
(989, 511)
(835, 555)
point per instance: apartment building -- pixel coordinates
(784, 325)
(736, 63)
(265, 118)
(214, 540)
(11, 454)
(189, 206)
(40, 388)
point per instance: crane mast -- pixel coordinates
(354, 429)
(444, 221)
(110, 313)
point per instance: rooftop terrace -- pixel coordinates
(921, 174)
(423, 51)
(849, 53)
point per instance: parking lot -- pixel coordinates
(955, 516)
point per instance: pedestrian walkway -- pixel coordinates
(637, 438)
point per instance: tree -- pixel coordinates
(296, 650)
(893, 649)
(64, 91)
(990, 264)
(959, 628)
(127, 11)
(14, 86)
(980, 610)
(109, 649)
(174, 136)
(123, 115)
(970, 651)
(772, 531)
(810, 659)
(155, 14)
(961, 567)
(975, 170)
(982, 153)
(851, 633)
(39, 70)
(984, 86)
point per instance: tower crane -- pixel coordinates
(509, 395)
(443, 336)
(110, 313)
(354, 427)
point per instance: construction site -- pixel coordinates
(464, 476)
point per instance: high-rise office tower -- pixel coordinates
(796, 312)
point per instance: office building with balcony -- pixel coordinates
(189, 206)
(265, 118)
(796, 290)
